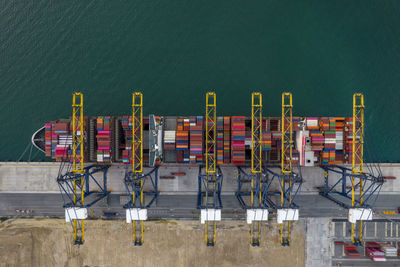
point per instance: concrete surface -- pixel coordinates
(318, 245)
(40, 177)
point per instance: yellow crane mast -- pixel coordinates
(256, 164)
(137, 158)
(211, 127)
(286, 160)
(357, 158)
(77, 162)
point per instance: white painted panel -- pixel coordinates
(136, 215)
(287, 215)
(358, 214)
(257, 215)
(75, 214)
(210, 215)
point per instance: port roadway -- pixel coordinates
(30, 190)
(168, 206)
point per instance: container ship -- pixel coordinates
(168, 139)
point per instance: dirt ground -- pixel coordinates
(48, 242)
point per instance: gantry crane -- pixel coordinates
(288, 212)
(257, 209)
(210, 177)
(256, 165)
(365, 187)
(262, 178)
(75, 184)
(136, 208)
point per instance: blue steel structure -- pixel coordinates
(340, 192)
(134, 185)
(210, 187)
(209, 197)
(76, 191)
(65, 184)
(135, 179)
(267, 178)
(261, 187)
(354, 188)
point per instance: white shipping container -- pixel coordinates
(330, 140)
(312, 123)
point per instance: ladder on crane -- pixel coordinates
(287, 213)
(135, 180)
(210, 177)
(256, 169)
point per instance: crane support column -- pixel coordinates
(136, 214)
(77, 163)
(135, 180)
(210, 177)
(286, 214)
(357, 160)
(258, 212)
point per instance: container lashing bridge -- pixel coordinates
(135, 179)
(74, 179)
(365, 186)
(210, 177)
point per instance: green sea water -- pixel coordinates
(176, 51)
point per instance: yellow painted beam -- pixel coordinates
(357, 157)
(286, 156)
(77, 157)
(137, 154)
(211, 132)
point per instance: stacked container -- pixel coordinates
(312, 123)
(220, 140)
(266, 140)
(238, 140)
(126, 123)
(389, 250)
(295, 123)
(295, 157)
(104, 138)
(374, 252)
(351, 251)
(47, 137)
(196, 140)
(317, 140)
(276, 140)
(349, 139)
(247, 140)
(227, 140)
(182, 138)
(61, 151)
(169, 140)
